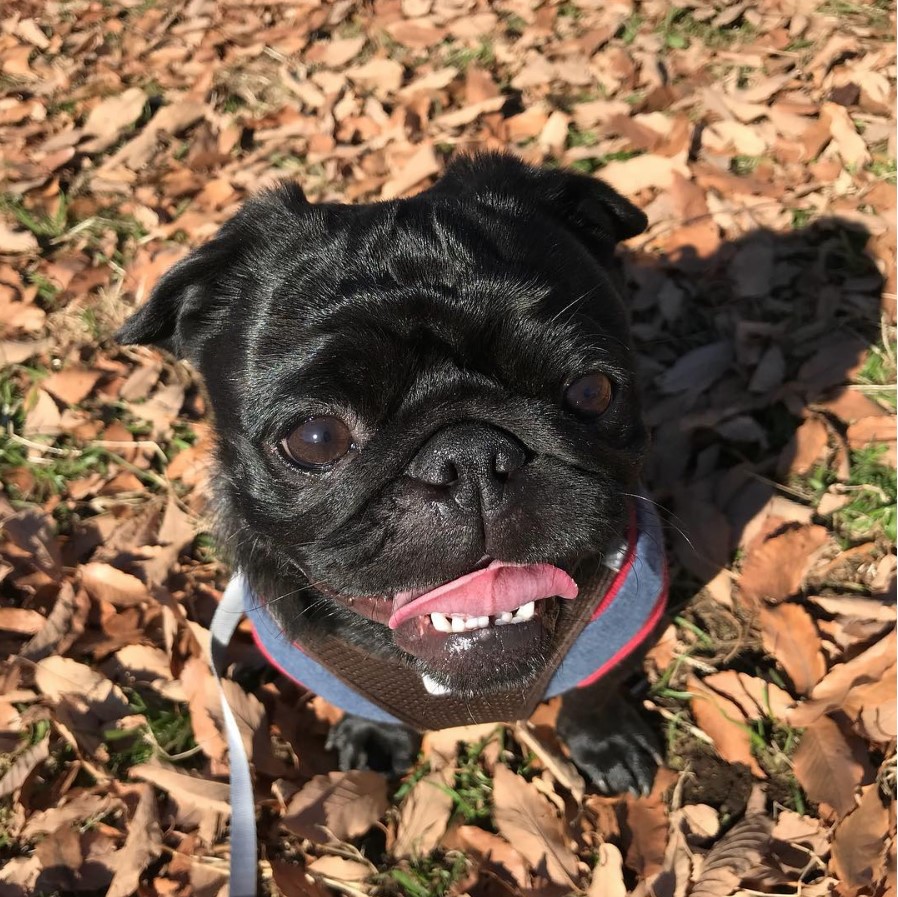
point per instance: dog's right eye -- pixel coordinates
(317, 442)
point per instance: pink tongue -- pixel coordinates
(494, 590)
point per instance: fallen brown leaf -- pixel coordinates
(526, 820)
(143, 843)
(859, 848)
(777, 568)
(346, 804)
(743, 847)
(789, 635)
(424, 814)
(827, 767)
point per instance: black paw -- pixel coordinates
(380, 747)
(615, 748)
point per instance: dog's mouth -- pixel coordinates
(499, 594)
(502, 607)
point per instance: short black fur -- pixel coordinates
(472, 304)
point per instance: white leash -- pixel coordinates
(244, 852)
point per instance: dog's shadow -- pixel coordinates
(737, 351)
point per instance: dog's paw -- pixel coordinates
(380, 747)
(617, 749)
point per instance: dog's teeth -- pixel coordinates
(504, 618)
(483, 622)
(472, 622)
(440, 622)
(525, 612)
(458, 624)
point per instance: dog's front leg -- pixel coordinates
(363, 744)
(608, 739)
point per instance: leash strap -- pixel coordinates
(244, 855)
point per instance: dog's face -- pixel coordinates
(425, 409)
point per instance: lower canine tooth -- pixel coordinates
(504, 618)
(440, 622)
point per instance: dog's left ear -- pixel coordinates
(592, 210)
(196, 290)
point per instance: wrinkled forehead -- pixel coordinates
(377, 295)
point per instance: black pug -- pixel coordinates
(429, 438)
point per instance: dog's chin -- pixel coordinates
(493, 659)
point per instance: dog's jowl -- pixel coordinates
(429, 440)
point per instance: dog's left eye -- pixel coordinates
(590, 395)
(317, 442)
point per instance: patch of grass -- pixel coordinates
(462, 58)
(630, 29)
(576, 137)
(743, 165)
(801, 43)
(472, 792)
(878, 374)
(47, 291)
(287, 161)
(44, 226)
(885, 169)
(680, 28)
(417, 774)
(168, 735)
(430, 876)
(569, 11)
(801, 218)
(232, 104)
(873, 15)
(514, 24)
(595, 163)
(872, 486)
(773, 743)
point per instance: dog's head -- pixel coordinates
(424, 408)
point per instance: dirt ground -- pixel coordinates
(760, 141)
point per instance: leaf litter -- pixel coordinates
(759, 139)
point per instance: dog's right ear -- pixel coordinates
(193, 293)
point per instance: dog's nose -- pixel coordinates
(470, 461)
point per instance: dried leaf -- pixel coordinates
(777, 568)
(340, 869)
(16, 241)
(72, 385)
(726, 864)
(108, 119)
(424, 814)
(832, 691)
(723, 720)
(697, 370)
(526, 820)
(859, 845)
(60, 676)
(789, 635)
(62, 627)
(346, 804)
(144, 842)
(827, 767)
(191, 792)
(120, 589)
(607, 874)
(22, 767)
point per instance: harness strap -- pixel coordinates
(244, 854)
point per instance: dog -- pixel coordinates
(429, 441)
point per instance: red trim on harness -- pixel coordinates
(636, 640)
(273, 662)
(621, 575)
